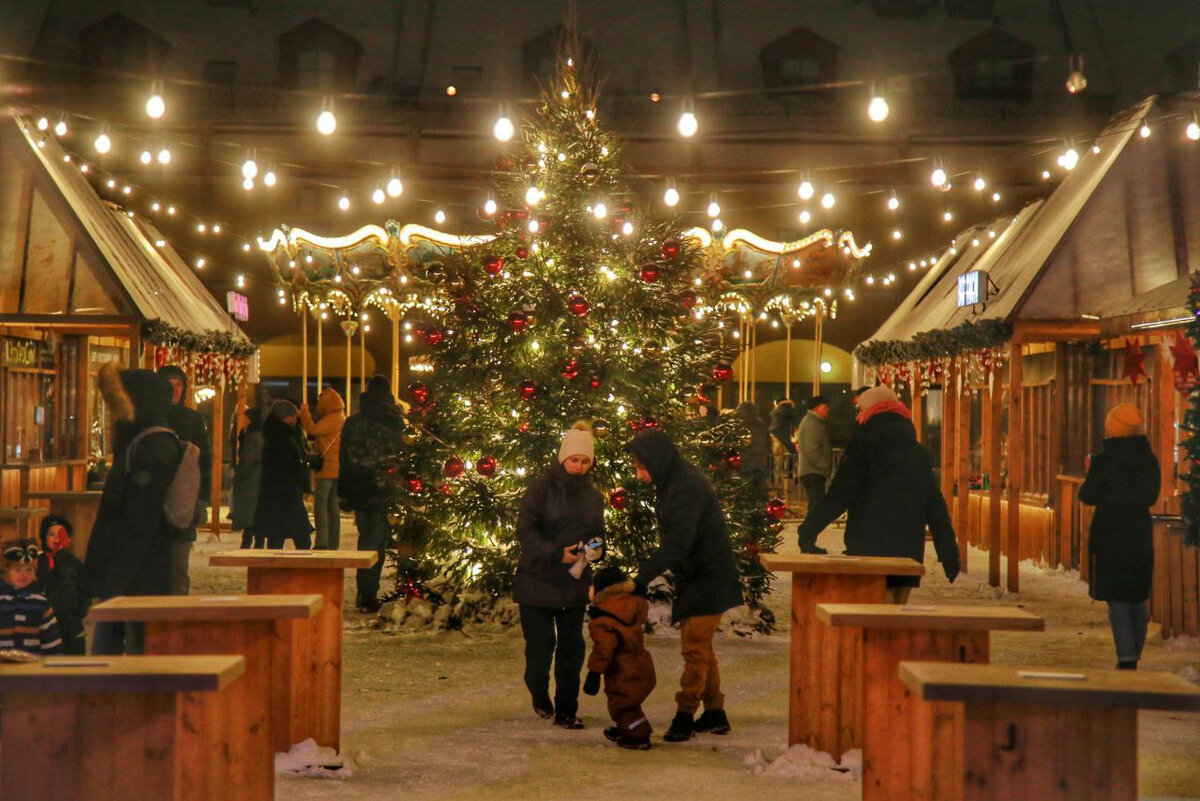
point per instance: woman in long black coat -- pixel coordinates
(560, 510)
(247, 476)
(280, 514)
(1122, 483)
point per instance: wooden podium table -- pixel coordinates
(78, 506)
(225, 624)
(314, 646)
(112, 728)
(825, 691)
(1050, 734)
(905, 742)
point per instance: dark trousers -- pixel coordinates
(374, 534)
(539, 624)
(1129, 621)
(814, 492)
(252, 540)
(303, 541)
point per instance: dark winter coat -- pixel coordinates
(617, 624)
(191, 427)
(885, 484)
(247, 475)
(280, 513)
(756, 458)
(559, 509)
(128, 553)
(1122, 483)
(695, 544)
(63, 587)
(784, 419)
(369, 436)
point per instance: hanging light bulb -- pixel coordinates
(1076, 80)
(269, 177)
(504, 129)
(671, 195)
(938, 176)
(1069, 158)
(806, 190)
(43, 124)
(533, 195)
(489, 207)
(216, 228)
(627, 228)
(995, 197)
(155, 105)
(200, 262)
(146, 158)
(248, 184)
(717, 225)
(896, 234)
(714, 208)
(980, 184)
(1045, 175)
(344, 202)
(827, 200)
(893, 202)
(241, 281)
(60, 128)
(378, 196)
(1144, 131)
(877, 109)
(395, 187)
(164, 156)
(439, 216)
(805, 217)
(1193, 129)
(103, 143)
(326, 121)
(250, 167)
(688, 124)
(947, 216)
(600, 211)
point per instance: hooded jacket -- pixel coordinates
(784, 418)
(189, 424)
(616, 625)
(1122, 483)
(369, 436)
(62, 584)
(326, 427)
(816, 454)
(280, 512)
(756, 457)
(695, 544)
(885, 483)
(248, 474)
(559, 509)
(128, 552)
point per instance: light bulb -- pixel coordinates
(805, 217)
(533, 227)
(1144, 131)
(241, 281)
(43, 123)
(688, 124)
(806, 190)
(533, 195)
(249, 169)
(394, 187)
(378, 196)
(714, 208)
(947, 216)
(893, 203)
(600, 211)
(1045, 175)
(344, 202)
(489, 207)
(246, 247)
(1193, 130)
(146, 158)
(216, 228)
(103, 144)
(827, 200)
(627, 228)
(248, 184)
(995, 197)
(896, 234)
(878, 109)
(164, 156)
(439, 216)
(269, 178)
(200, 262)
(155, 106)
(61, 128)
(717, 225)
(171, 210)
(938, 176)
(671, 196)
(326, 122)
(980, 184)
(504, 129)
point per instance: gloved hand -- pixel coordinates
(591, 685)
(951, 569)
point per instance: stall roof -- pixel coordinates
(153, 278)
(1162, 307)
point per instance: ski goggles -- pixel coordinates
(23, 552)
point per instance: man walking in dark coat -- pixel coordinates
(695, 547)
(189, 425)
(369, 436)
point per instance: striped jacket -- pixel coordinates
(27, 621)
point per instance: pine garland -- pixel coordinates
(222, 343)
(936, 344)
(1190, 502)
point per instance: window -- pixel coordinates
(316, 55)
(539, 57)
(119, 44)
(994, 66)
(799, 58)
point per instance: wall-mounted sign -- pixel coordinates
(972, 288)
(19, 352)
(238, 305)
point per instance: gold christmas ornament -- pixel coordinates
(601, 428)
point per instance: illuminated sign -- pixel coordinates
(238, 305)
(972, 288)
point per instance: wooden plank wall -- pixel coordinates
(1175, 596)
(1037, 539)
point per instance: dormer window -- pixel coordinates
(316, 55)
(994, 66)
(799, 58)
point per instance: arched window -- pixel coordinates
(539, 57)
(316, 55)
(994, 66)
(798, 58)
(120, 44)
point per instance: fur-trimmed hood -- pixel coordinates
(137, 399)
(618, 601)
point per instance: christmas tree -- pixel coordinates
(1185, 369)
(585, 305)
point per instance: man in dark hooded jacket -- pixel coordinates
(190, 426)
(368, 437)
(695, 547)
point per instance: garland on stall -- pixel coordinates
(1191, 424)
(214, 357)
(935, 345)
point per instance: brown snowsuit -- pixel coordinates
(619, 652)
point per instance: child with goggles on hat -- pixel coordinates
(27, 623)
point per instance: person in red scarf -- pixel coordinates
(886, 486)
(60, 574)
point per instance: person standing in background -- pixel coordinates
(755, 466)
(189, 426)
(247, 474)
(816, 454)
(280, 514)
(326, 427)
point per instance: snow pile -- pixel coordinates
(802, 762)
(1183, 642)
(309, 759)
(1190, 673)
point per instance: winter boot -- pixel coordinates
(712, 721)
(633, 743)
(1127, 664)
(543, 707)
(612, 734)
(682, 728)
(567, 721)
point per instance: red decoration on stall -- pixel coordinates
(722, 372)
(595, 381)
(1185, 365)
(446, 489)
(522, 252)
(776, 509)
(1134, 368)
(434, 337)
(518, 321)
(734, 461)
(454, 467)
(493, 264)
(486, 467)
(160, 356)
(578, 305)
(619, 498)
(649, 272)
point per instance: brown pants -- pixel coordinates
(630, 719)
(701, 679)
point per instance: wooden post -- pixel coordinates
(304, 355)
(1164, 438)
(994, 468)
(362, 358)
(1016, 461)
(918, 400)
(817, 334)
(218, 450)
(1058, 422)
(949, 379)
(962, 466)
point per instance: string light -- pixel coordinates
(250, 167)
(489, 207)
(504, 129)
(451, 90)
(395, 187)
(717, 225)
(806, 190)
(980, 184)
(600, 211)
(1045, 175)
(43, 123)
(164, 156)
(893, 202)
(326, 121)
(1193, 129)
(439, 216)
(896, 234)
(938, 176)
(688, 124)
(533, 195)
(1069, 158)
(241, 281)
(714, 208)
(827, 200)
(344, 202)
(146, 158)
(155, 105)
(1144, 131)
(245, 247)
(60, 129)
(269, 177)
(171, 210)
(103, 143)
(805, 217)
(877, 109)
(248, 184)
(378, 196)
(995, 197)
(947, 216)
(627, 228)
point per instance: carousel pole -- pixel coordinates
(817, 357)
(362, 358)
(787, 370)
(394, 314)
(321, 357)
(349, 326)
(304, 355)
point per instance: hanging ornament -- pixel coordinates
(601, 428)
(734, 461)
(454, 467)
(414, 483)
(411, 435)
(527, 389)
(1185, 364)
(434, 337)
(687, 299)
(523, 427)
(576, 345)
(722, 372)
(493, 381)
(418, 392)
(648, 422)
(686, 394)
(652, 348)
(578, 305)
(518, 321)
(570, 370)
(455, 282)
(670, 248)
(522, 252)
(493, 264)
(776, 509)
(1134, 368)
(435, 273)
(486, 466)
(649, 272)
(619, 499)
(594, 382)
(590, 173)
(160, 356)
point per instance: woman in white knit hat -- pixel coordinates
(561, 514)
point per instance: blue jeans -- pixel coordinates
(326, 515)
(1129, 621)
(374, 534)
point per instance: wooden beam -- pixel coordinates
(947, 455)
(1016, 463)
(1058, 413)
(962, 466)
(1163, 439)
(994, 417)
(918, 412)
(1055, 330)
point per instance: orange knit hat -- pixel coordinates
(1123, 420)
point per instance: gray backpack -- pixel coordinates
(179, 504)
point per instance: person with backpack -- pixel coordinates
(190, 426)
(129, 552)
(280, 514)
(326, 427)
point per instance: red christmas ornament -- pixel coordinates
(493, 264)
(391, 470)
(649, 272)
(518, 321)
(446, 489)
(454, 467)
(649, 422)
(414, 483)
(722, 372)
(523, 427)
(619, 498)
(527, 389)
(670, 248)
(594, 382)
(734, 461)
(570, 370)
(522, 252)
(418, 392)
(1134, 368)
(753, 547)
(578, 305)
(776, 509)
(687, 299)
(486, 467)
(1185, 364)
(434, 337)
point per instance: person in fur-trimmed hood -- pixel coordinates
(617, 625)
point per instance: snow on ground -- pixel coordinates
(445, 715)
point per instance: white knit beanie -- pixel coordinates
(874, 396)
(577, 442)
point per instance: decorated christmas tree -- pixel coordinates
(584, 305)
(1184, 352)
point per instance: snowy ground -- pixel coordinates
(446, 716)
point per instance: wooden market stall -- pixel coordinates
(1010, 385)
(84, 282)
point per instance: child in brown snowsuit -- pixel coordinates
(616, 625)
